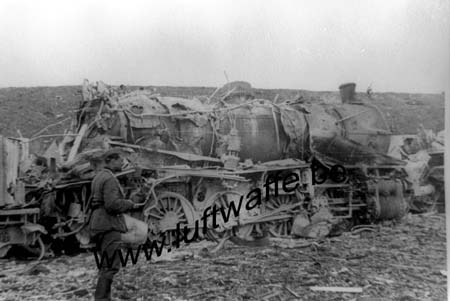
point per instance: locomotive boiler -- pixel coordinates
(213, 152)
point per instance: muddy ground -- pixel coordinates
(397, 261)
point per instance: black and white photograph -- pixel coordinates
(224, 150)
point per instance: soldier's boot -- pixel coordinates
(103, 289)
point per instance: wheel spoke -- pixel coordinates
(275, 202)
(270, 206)
(161, 206)
(168, 213)
(222, 201)
(159, 210)
(279, 227)
(155, 216)
(174, 204)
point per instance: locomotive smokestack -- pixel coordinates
(347, 92)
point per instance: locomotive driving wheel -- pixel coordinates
(222, 200)
(169, 210)
(281, 227)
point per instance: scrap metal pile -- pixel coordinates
(424, 154)
(185, 155)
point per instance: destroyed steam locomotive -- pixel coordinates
(185, 155)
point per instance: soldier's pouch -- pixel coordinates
(137, 230)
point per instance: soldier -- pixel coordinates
(369, 91)
(107, 224)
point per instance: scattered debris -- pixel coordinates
(38, 269)
(281, 271)
(292, 292)
(290, 243)
(336, 289)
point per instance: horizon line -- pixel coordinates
(215, 87)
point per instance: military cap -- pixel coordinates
(113, 152)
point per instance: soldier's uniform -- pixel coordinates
(106, 225)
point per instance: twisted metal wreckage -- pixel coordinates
(184, 155)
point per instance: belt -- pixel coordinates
(96, 206)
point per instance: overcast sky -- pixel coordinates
(395, 45)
